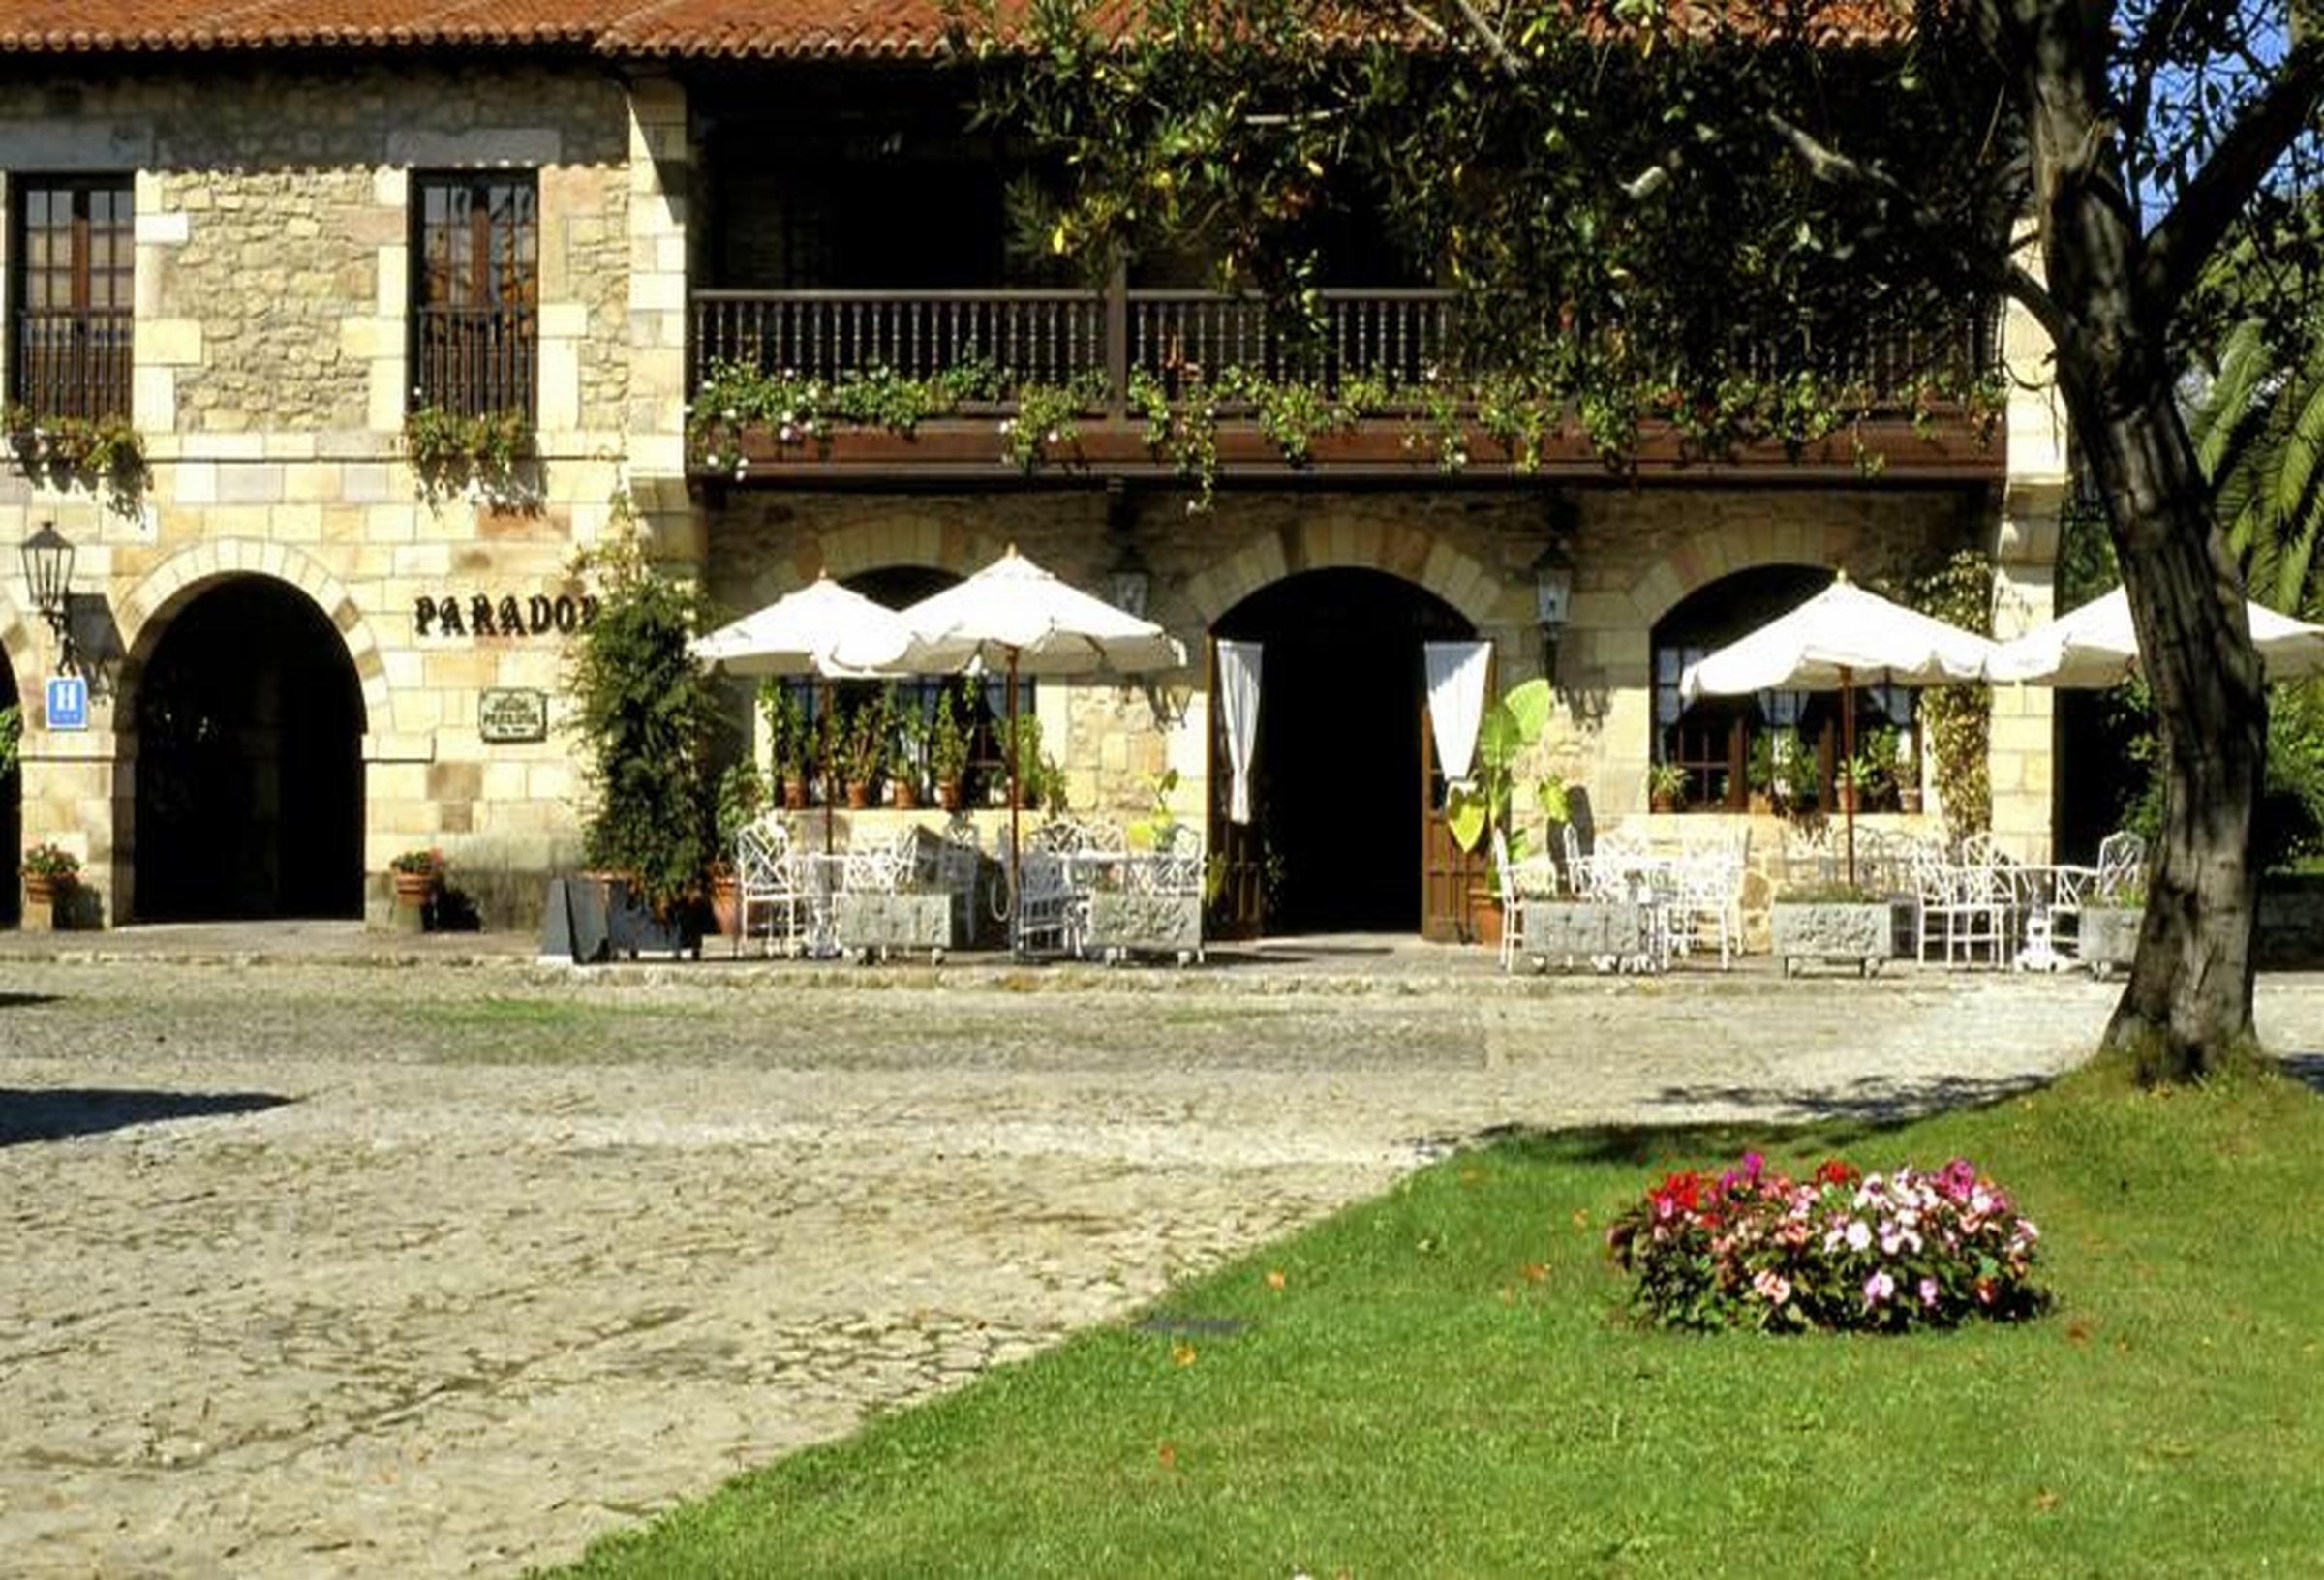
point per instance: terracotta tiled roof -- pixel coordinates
(702, 29)
(784, 28)
(171, 26)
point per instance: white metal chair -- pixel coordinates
(2122, 865)
(1516, 895)
(766, 883)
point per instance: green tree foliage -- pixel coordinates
(1637, 198)
(647, 716)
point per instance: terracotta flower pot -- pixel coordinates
(415, 887)
(42, 888)
(726, 904)
(794, 795)
(859, 796)
(948, 795)
(907, 796)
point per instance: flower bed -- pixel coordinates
(1752, 1248)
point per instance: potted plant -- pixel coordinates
(790, 739)
(417, 875)
(742, 796)
(646, 714)
(1666, 787)
(903, 754)
(864, 746)
(1759, 780)
(947, 750)
(49, 870)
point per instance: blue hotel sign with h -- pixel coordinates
(68, 702)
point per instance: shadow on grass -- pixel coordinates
(53, 1114)
(25, 1001)
(1826, 1118)
(2305, 1068)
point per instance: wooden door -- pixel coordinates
(1446, 871)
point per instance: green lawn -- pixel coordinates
(1443, 1383)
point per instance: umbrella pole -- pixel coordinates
(1015, 755)
(823, 731)
(1848, 758)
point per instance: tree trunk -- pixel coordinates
(2186, 1010)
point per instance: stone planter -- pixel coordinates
(1148, 924)
(1589, 930)
(1854, 933)
(2105, 937)
(871, 923)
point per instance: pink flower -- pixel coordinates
(1858, 1236)
(1928, 1292)
(1772, 1287)
(1877, 1289)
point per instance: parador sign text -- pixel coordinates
(479, 613)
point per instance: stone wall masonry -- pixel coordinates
(1639, 551)
(273, 223)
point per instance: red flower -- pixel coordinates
(1833, 1171)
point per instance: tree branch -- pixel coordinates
(1980, 263)
(2182, 243)
(1490, 37)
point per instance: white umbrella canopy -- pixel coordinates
(1842, 638)
(2096, 646)
(1014, 616)
(822, 630)
(1013, 612)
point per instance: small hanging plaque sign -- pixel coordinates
(505, 715)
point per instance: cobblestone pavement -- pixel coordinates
(322, 1268)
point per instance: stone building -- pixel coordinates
(268, 240)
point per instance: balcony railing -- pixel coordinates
(1056, 337)
(74, 364)
(477, 361)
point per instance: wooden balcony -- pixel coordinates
(1112, 342)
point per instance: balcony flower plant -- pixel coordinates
(1839, 1250)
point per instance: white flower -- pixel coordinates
(1858, 1235)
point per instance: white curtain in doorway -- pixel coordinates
(1239, 665)
(1456, 676)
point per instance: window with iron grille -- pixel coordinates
(74, 249)
(475, 289)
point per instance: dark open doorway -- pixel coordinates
(11, 803)
(1338, 807)
(249, 766)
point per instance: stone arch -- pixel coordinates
(16, 648)
(1705, 557)
(144, 613)
(1409, 554)
(857, 547)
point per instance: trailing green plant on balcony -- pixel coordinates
(102, 454)
(1519, 413)
(451, 450)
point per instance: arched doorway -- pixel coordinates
(1339, 809)
(249, 762)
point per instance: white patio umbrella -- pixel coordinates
(2095, 646)
(1014, 616)
(1841, 638)
(823, 630)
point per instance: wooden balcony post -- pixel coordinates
(1117, 340)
